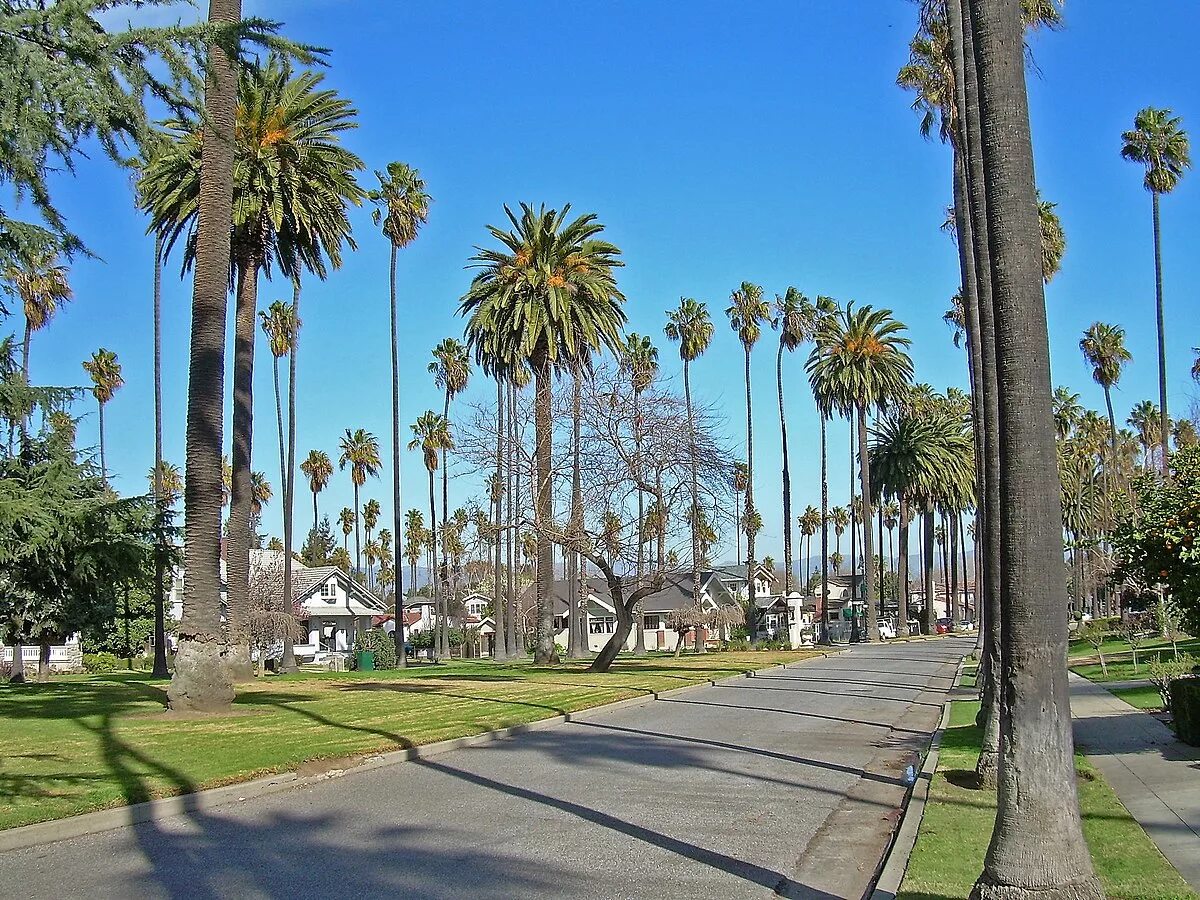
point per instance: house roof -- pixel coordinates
(675, 594)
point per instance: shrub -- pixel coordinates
(736, 645)
(1164, 671)
(421, 640)
(100, 662)
(1185, 709)
(380, 643)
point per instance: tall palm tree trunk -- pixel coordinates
(955, 612)
(1037, 801)
(287, 662)
(279, 424)
(25, 348)
(989, 501)
(201, 682)
(397, 519)
(1164, 420)
(902, 571)
(516, 646)
(160, 550)
(750, 530)
(868, 515)
(544, 652)
(946, 571)
(445, 566)
(823, 601)
(639, 621)
(694, 488)
(927, 563)
(787, 478)
(436, 582)
(856, 620)
(499, 635)
(103, 466)
(575, 638)
(241, 496)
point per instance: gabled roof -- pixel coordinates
(309, 581)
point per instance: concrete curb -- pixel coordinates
(25, 836)
(895, 862)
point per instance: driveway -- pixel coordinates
(786, 783)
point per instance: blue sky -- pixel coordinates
(718, 142)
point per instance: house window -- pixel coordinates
(329, 591)
(602, 625)
(651, 622)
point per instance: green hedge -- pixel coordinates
(100, 662)
(378, 642)
(1185, 709)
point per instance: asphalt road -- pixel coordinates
(786, 783)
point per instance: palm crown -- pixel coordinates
(451, 366)
(691, 327)
(280, 324)
(796, 318)
(318, 469)
(639, 358)
(360, 451)
(548, 295)
(431, 434)
(747, 311)
(106, 374)
(1103, 347)
(859, 360)
(293, 178)
(1159, 143)
(401, 203)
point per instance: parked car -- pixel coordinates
(944, 626)
(964, 625)
(887, 630)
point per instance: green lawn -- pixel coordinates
(958, 825)
(1119, 659)
(1145, 697)
(82, 743)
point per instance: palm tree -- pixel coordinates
(860, 364)
(1103, 347)
(431, 435)
(280, 325)
(451, 368)
(839, 518)
(348, 519)
(167, 480)
(891, 518)
(549, 291)
(741, 480)
(1067, 411)
(1160, 144)
(796, 319)
(318, 469)
(40, 283)
(1036, 748)
(835, 560)
(401, 208)
(689, 326)
(414, 540)
(747, 311)
(293, 181)
(639, 360)
(360, 451)
(1145, 420)
(809, 523)
(105, 371)
(370, 518)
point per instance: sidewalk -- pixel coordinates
(1155, 775)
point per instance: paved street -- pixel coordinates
(784, 783)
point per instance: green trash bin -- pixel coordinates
(366, 660)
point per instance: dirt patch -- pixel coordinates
(327, 766)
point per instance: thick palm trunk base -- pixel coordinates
(1086, 889)
(201, 682)
(238, 663)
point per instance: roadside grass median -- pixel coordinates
(957, 828)
(83, 743)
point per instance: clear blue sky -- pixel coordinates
(718, 142)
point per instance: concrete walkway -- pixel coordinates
(788, 783)
(1155, 775)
